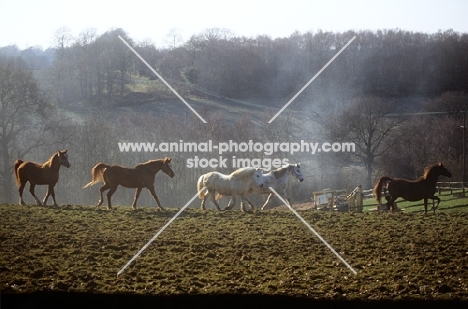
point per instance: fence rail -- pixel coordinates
(441, 186)
(449, 186)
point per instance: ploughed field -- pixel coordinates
(74, 249)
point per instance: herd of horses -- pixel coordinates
(242, 182)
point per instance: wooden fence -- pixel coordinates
(441, 186)
(449, 186)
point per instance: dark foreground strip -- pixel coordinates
(239, 301)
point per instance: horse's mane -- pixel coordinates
(243, 173)
(144, 164)
(50, 162)
(278, 173)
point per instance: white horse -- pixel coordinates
(277, 179)
(239, 182)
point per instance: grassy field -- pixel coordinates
(72, 251)
(450, 201)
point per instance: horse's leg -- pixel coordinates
(391, 203)
(109, 195)
(151, 190)
(50, 192)
(20, 191)
(252, 207)
(438, 202)
(212, 194)
(137, 194)
(101, 190)
(286, 198)
(268, 200)
(425, 205)
(231, 204)
(44, 201)
(204, 201)
(31, 190)
(243, 202)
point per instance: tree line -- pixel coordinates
(386, 63)
(75, 95)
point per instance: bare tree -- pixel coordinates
(61, 71)
(425, 140)
(21, 110)
(368, 125)
(173, 38)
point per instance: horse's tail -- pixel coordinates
(17, 164)
(200, 186)
(97, 172)
(378, 188)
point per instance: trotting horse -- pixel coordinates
(239, 182)
(277, 179)
(46, 173)
(412, 190)
(139, 177)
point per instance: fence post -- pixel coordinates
(359, 198)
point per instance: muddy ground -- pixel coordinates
(51, 256)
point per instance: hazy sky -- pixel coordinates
(34, 22)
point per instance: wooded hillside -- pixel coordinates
(90, 92)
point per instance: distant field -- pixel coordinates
(79, 249)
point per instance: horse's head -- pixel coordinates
(436, 170)
(443, 171)
(258, 174)
(296, 172)
(166, 167)
(63, 158)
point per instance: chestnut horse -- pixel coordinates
(412, 190)
(40, 174)
(139, 177)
